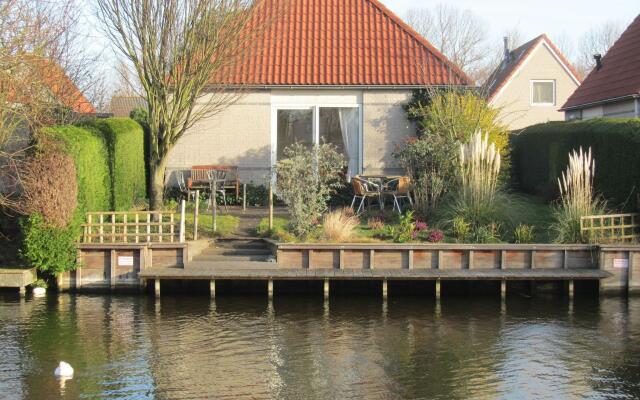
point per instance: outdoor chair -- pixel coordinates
(400, 189)
(217, 182)
(186, 192)
(364, 191)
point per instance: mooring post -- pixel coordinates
(156, 286)
(384, 289)
(326, 289)
(437, 289)
(196, 211)
(212, 288)
(23, 291)
(503, 289)
(270, 288)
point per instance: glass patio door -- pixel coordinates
(294, 126)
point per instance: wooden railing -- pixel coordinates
(134, 227)
(611, 228)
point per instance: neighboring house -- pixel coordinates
(612, 89)
(531, 83)
(325, 70)
(121, 106)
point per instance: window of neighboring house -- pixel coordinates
(543, 93)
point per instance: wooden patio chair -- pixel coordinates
(364, 190)
(186, 192)
(400, 189)
(217, 180)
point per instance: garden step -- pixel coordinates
(240, 243)
(230, 251)
(222, 258)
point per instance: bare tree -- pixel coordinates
(597, 40)
(177, 49)
(39, 62)
(459, 34)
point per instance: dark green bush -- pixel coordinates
(125, 144)
(89, 151)
(49, 248)
(541, 153)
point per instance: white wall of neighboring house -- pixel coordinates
(514, 98)
(242, 134)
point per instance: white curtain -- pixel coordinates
(349, 127)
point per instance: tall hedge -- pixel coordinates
(88, 148)
(125, 145)
(540, 154)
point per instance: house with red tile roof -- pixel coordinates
(531, 83)
(335, 71)
(612, 89)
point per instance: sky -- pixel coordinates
(553, 17)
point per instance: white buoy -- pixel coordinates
(64, 370)
(39, 291)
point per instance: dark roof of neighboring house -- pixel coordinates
(121, 106)
(339, 42)
(505, 71)
(620, 73)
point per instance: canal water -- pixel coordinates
(303, 348)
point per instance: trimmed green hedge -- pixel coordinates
(88, 148)
(125, 143)
(540, 154)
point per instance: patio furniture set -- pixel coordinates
(212, 178)
(377, 187)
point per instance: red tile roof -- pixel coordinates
(339, 42)
(506, 71)
(619, 75)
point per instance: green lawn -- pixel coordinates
(226, 225)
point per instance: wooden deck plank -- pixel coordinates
(250, 273)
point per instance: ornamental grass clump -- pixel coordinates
(340, 225)
(577, 197)
(479, 171)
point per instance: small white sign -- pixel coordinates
(125, 261)
(620, 263)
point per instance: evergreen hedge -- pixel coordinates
(88, 148)
(125, 145)
(540, 154)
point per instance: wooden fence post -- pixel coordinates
(195, 216)
(182, 221)
(270, 206)
(244, 197)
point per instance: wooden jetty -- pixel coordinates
(113, 266)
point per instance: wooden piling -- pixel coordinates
(571, 289)
(270, 288)
(212, 288)
(503, 289)
(437, 289)
(326, 289)
(156, 286)
(384, 289)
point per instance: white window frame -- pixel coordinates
(315, 105)
(531, 84)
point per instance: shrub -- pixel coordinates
(524, 234)
(305, 180)
(577, 198)
(405, 230)
(456, 115)
(125, 144)
(431, 163)
(540, 154)
(460, 229)
(49, 248)
(49, 186)
(88, 149)
(435, 236)
(339, 225)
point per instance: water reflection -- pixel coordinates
(361, 347)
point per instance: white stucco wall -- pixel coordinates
(515, 97)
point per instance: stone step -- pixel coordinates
(240, 244)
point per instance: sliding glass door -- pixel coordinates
(339, 126)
